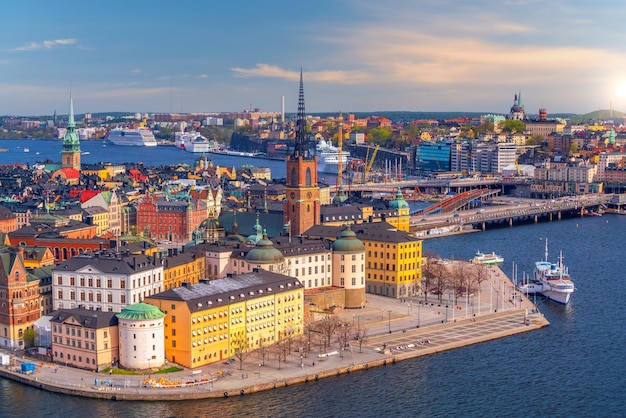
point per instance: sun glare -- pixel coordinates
(620, 90)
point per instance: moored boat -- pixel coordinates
(328, 157)
(556, 282)
(489, 259)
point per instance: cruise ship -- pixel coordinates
(328, 157)
(138, 137)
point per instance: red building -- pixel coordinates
(19, 298)
(173, 220)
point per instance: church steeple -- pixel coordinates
(300, 148)
(71, 145)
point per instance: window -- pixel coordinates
(353, 269)
(60, 294)
(122, 284)
(109, 283)
(173, 318)
(106, 334)
(72, 281)
(98, 283)
(122, 298)
(90, 280)
(82, 282)
(354, 281)
(59, 280)
(110, 298)
(98, 297)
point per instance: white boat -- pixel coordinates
(328, 157)
(194, 142)
(138, 137)
(490, 259)
(26, 149)
(554, 278)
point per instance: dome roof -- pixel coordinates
(211, 224)
(348, 242)
(398, 202)
(140, 312)
(264, 253)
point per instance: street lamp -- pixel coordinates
(260, 370)
(419, 305)
(389, 321)
(358, 323)
(382, 314)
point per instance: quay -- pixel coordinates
(398, 331)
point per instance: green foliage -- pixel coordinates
(535, 140)
(513, 126)
(379, 135)
(168, 370)
(29, 337)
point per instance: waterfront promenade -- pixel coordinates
(398, 330)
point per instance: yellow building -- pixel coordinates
(213, 320)
(97, 216)
(179, 268)
(393, 260)
(401, 217)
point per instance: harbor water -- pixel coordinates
(575, 367)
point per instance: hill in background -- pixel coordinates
(603, 114)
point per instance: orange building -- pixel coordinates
(173, 220)
(8, 220)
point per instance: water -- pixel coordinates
(574, 367)
(41, 150)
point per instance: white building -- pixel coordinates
(107, 281)
(141, 336)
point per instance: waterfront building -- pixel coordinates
(432, 157)
(106, 281)
(302, 206)
(84, 338)
(141, 336)
(19, 298)
(213, 320)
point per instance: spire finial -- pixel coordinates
(300, 146)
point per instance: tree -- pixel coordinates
(30, 334)
(441, 279)
(242, 348)
(535, 140)
(362, 337)
(345, 334)
(379, 135)
(429, 261)
(480, 274)
(327, 327)
(513, 126)
(281, 348)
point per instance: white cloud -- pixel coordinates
(45, 44)
(327, 76)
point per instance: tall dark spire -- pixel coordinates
(300, 149)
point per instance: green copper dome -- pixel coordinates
(264, 253)
(140, 312)
(348, 242)
(398, 202)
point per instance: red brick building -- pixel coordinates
(173, 220)
(19, 298)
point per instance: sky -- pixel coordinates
(568, 56)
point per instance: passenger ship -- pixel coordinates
(138, 137)
(328, 157)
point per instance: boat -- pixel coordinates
(26, 149)
(556, 282)
(4, 150)
(85, 153)
(194, 142)
(489, 259)
(328, 157)
(138, 137)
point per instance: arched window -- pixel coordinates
(64, 253)
(308, 177)
(17, 276)
(294, 177)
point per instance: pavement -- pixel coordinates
(397, 330)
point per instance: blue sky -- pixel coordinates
(357, 55)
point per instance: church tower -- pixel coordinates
(71, 145)
(302, 205)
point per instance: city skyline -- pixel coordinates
(356, 56)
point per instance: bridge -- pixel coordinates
(442, 185)
(506, 211)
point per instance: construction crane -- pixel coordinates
(519, 172)
(369, 163)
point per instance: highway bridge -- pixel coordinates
(506, 211)
(439, 185)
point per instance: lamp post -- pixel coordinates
(389, 321)
(358, 323)
(382, 314)
(260, 370)
(419, 305)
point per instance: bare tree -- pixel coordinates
(345, 334)
(460, 280)
(362, 338)
(429, 262)
(242, 348)
(327, 327)
(441, 280)
(480, 274)
(263, 350)
(281, 348)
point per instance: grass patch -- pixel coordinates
(168, 370)
(121, 372)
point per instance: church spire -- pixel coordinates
(70, 122)
(300, 149)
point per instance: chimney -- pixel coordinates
(187, 285)
(229, 275)
(204, 281)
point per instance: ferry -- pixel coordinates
(489, 259)
(138, 137)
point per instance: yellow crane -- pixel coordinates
(369, 163)
(519, 172)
